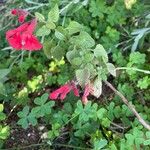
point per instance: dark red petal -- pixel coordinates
(32, 26)
(14, 12)
(30, 42)
(84, 100)
(74, 88)
(86, 94)
(21, 19)
(65, 92)
(54, 95)
(23, 27)
(10, 33)
(15, 42)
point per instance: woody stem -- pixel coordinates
(130, 106)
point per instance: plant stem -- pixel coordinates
(41, 144)
(130, 106)
(134, 69)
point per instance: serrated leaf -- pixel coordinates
(50, 25)
(43, 31)
(40, 17)
(47, 46)
(71, 55)
(53, 15)
(57, 52)
(59, 35)
(83, 76)
(99, 51)
(111, 69)
(97, 87)
(83, 40)
(74, 27)
(76, 61)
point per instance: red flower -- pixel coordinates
(22, 14)
(74, 88)
(86, 94)
(63, 91)
(23, 38)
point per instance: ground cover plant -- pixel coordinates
(75, 74)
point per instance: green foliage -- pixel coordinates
(85, 41)
(28, 117)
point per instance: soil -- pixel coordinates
(20, 137)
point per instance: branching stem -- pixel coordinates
(130, 106)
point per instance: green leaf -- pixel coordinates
(99, 144)
(4, 132)
(40, 17)
(50, 25)
(47, 46)
(24, 112)
(74, 27)
(144, 83)
(147, 142)
(4, 73)
(57, 52)
(111, 68)
(71, 55)
(43, 31)
(59, 35)
(101, 112)
(97, 87)
(2, 89)
(41, 100)
(83, 40)
(23, 122)
(83, 76)
(76, 61)
(53, 15)
(32, 119)
(2, 116)
(99, 51)
(1, 107)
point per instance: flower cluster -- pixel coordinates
(20, 13)
(22, 38)
(62, 92)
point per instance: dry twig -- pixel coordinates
(130, 106)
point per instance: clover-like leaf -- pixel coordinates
(111, 68)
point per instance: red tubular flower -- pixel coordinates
(62, 92)
(22, 14)
(74, 88)
(86, 94)
(23, 38)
